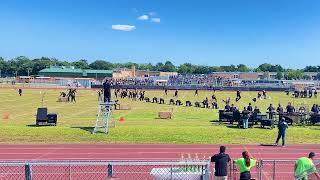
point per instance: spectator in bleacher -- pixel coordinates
(282, 128)
(221, 161)
(245, 164)
(305, 166)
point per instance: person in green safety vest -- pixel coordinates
(304, 166)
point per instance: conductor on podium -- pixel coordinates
(107, 90)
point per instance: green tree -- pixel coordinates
(294, 75)
(81, 64)
(159, 66)
(242, 68)
(186, 68)
(101, 64)
(279, 75)
(169, 67)
(39, 64)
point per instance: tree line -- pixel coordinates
(22, 66)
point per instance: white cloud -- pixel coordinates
(143, 17)
(156, 20)
(123, 27)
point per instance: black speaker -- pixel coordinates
(41, 116)
(52, 118)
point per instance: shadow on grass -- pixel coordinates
(45, 125)
(86, 128)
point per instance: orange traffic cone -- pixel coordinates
(121, 120)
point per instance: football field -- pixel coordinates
(189, 125)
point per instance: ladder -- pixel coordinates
(103, 117)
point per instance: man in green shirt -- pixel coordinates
(305, 166)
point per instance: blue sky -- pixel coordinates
(207, 32)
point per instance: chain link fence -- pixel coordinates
(126, 170)
(140, 170)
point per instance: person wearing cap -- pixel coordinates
(282, 128)
(221, 161)
(304, 166)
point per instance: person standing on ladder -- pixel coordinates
(106, 91)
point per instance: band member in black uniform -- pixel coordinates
(279, 109)
(315, 109)
(290, 108)
(232, 108)
(249, 108)
(310, 93)
(196, 92)
(256, 110)
(238, 96)
(227, 107)
(270, 111)
(176, 93)
(264, 94)
(166, 91)
(20, 92)
(106, 91)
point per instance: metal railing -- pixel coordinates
(139, 170)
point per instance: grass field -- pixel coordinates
(189, 124)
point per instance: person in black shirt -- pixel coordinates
(232, 108)
(238, 96)
(196, 92)
(271, 111)
(106, 91)
(20, 92)
(221, 161)
(249, 108)
(176, 93)
(280, 109)
(256, 110)
(315, 109)
(290, 108)
(227, 107)
(245, 118)
(166, 91)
